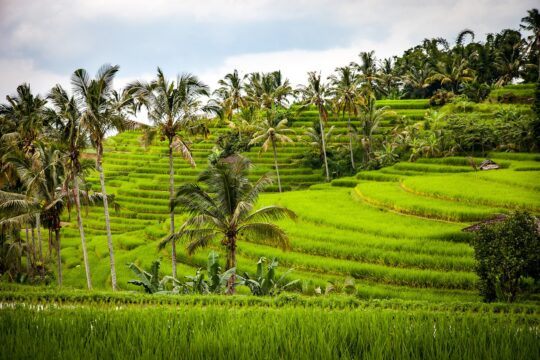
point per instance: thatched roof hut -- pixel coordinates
(494, 220)
(489, 165)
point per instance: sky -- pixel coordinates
(43, 41)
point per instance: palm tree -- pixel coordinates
(416, 76)
(531, 22)
(313, 138)
(74, 139)
(367, 69)
(222, 209)
(453, 73)
(231, 94)
(370, 118)
(25, 112)
(42, 178)
(101, 113)
(23, 125)
(315, 93)
(271, 131)
(267, 90)
(347, 98)
(173, 107)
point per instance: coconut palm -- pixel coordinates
(230, 93)
(452, 73)
(42, 178)
(347, 98)
(416, 76)
(222, 209)
(25, 113)
(315, 94)
(267, 90)
(23, 125)
(73, 138)
(173, 107)
(531, 22)
(101, 112)
(367, 70)
(312, 138)
(370, 118)
(271, 131)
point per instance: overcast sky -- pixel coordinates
(44, 41)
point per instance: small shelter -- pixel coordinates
(489, 165)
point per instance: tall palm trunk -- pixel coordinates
(171, 197)
(99, 165)
(40, 243)
(350, 140)
(276, 164)
(59, 260)
(32, 233)
(231, 263)
(323, 140)
(28, 257)
(81, 231)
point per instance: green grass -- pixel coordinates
(247, 332)
(393, 196)
(475, 190)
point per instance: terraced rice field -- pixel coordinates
(396, 231)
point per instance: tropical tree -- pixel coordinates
(173, 107)
(266, 90)
(223, 209)
(23, 122)
(101, 112)
(26, 114)
(453, 74)
(347, 98)
(271, 131)
(74, 139)
(531, 23)
(42, 178)
(370, 118)
(230, 94)
(315, 94)
(367, 70)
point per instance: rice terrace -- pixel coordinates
(381, 207)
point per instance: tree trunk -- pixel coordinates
(81, 231)
(28, 257)
(33, 247)
(171, 197)
(99, 166)
(40, 243)
(231, 263)
(57, 233)
(49, 249)
(350, 141)
(324, 148)
(276, 164)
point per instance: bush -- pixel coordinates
(441, 97)
(506, 254)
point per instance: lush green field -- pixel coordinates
(396, 231)
(112, 325)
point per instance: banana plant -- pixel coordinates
(217, 280)
(150, 280)
(265, 282)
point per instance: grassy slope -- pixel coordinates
(366, 233)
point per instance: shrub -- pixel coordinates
(506, 254)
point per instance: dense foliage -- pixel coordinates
(507, 254)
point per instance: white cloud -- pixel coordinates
(14, 72)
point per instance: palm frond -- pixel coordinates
(266, 233)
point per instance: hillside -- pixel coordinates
(396, 231)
